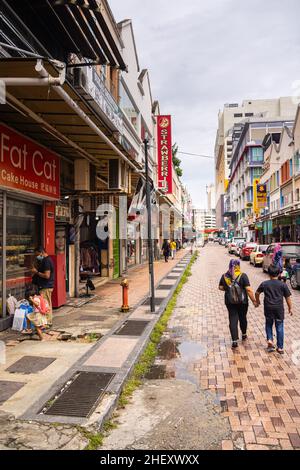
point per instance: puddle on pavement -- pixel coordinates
(168, 349)
(175, 360)
(191, 352)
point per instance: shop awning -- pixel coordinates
(40, 113)
(66, 27)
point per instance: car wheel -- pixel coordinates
(294, 283)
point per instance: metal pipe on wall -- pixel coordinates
(64, 95)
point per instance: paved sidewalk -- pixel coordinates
(25, 391)
(105, 307)
(259, 392)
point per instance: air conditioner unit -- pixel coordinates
(119, 176)
(82, 79)
(82, 175)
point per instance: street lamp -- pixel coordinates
(150, 244)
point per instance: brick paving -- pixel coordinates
(259, 392)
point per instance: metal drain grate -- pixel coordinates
(92, 318)
(158, 301)
(165, 287)
(173, 277)
(8, 389)
(30, 365)
(82, 396)
(132, 328)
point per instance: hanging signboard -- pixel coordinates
(261, 192)
(164, 147)
(26, 166)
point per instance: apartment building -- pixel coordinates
(211, 197)
(246, 168)
(281, 219)
(231, 115)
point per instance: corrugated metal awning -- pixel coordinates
(53, 110)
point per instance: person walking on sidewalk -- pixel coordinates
(45, 278)
(166, 250)
(236, 286)
(274, 292)
(277, 259)
(173, 247)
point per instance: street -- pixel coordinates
(200, 393)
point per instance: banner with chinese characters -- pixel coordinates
(27, 166)
(164, 148)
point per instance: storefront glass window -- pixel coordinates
(24, 222)
(1, 250)
(131, 244)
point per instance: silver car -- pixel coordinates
(289, 250)
(232, 247)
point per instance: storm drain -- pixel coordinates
(132, 328)
(30, 365)
(157, 301)
(165, 286)
(82, 396)
(8, 389)
(173, 277)
(92, 318)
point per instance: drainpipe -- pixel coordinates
(23, 81)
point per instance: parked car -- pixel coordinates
(289, 250)
(257, 255)
(238, 249)
(233, 244)
(227, 243)
(246, 250)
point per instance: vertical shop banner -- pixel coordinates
(164, 148)
(27, 166)
(261, 195)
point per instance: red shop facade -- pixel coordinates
(29, 192)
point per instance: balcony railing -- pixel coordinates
(107, 103)
(92, 86)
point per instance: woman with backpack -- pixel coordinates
(237, 289)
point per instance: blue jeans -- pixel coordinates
(279, 325)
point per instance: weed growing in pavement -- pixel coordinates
(147, 358)
(95, 440)
(93, 337)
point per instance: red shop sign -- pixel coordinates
(27, 166)
(164, 145)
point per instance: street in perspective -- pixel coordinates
(149, 229)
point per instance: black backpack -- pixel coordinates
(235, 293)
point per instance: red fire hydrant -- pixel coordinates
(125, 287)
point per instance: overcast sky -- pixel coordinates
(202, 54)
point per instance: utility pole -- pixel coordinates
(150, 241)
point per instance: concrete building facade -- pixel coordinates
(232, 114)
